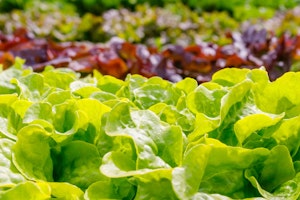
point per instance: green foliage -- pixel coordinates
(98, 137)
(154, 23)
(8, 6)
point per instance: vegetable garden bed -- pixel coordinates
(251, 49)
(180, 106)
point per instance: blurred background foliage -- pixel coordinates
(99, 6)
(154, 23)
(192, 38)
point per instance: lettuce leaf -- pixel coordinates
(27, 190)
(33, 164)
(10, 176)
(80, 168)
(110, 189)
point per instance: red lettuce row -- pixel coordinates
(252, 48)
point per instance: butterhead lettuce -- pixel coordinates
(98, 137)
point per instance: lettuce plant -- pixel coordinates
(98, 137)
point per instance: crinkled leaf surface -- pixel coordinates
(98, 137)
(155, 144)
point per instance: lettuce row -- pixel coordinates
(98, 137)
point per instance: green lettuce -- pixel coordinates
(10, 176)
(98, 137)
(141, 138)
(80, 168)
